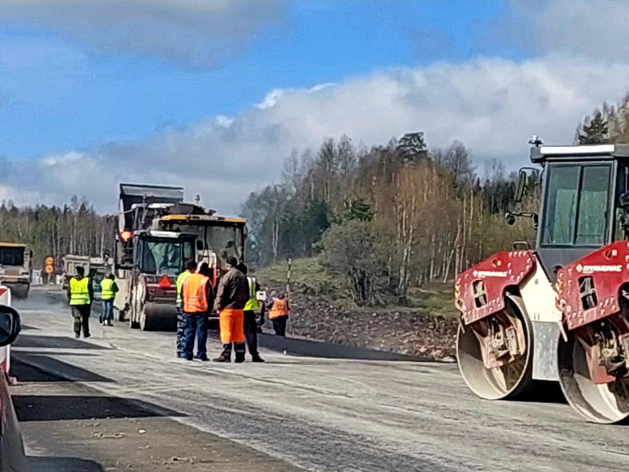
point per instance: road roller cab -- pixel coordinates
(559, 311)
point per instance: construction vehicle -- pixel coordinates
(16, 268)
(97, 268)
(157, 234)
(559, 312)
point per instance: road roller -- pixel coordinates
(157, 233)
(559, 311)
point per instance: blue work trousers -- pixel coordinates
(108, 310)
(196, 323)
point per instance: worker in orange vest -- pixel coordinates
(279, 310)
(197, 296)
(231, 298)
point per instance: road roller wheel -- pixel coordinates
(598, 402)
(509, 380)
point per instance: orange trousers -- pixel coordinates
(232, 325)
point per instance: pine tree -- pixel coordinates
(595, 132)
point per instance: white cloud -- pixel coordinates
(196, 33)
(591, 28)
(492, 105)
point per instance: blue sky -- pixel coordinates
(216, 94)
(63, 96)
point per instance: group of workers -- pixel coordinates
(81, 296)
(235, 300)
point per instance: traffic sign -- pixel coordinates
(49, 269)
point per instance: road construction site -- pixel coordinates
(120, 400)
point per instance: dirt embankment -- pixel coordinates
(408, 332)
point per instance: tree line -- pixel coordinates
(52, 231)
(387, 218)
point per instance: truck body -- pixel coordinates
(16, 268)
(157, 234)
(97, 268)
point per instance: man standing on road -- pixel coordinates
(197, 296)
(181, 319)
(251, 327)
(81, 294)
(232, 296)
(108, 293)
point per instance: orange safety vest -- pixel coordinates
(279, 308)
(194, 294)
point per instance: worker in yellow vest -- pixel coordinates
(108, 288)
(81, 294)
(278, 313)
(197, 296)
(181, 319)
(251, 326)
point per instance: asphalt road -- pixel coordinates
(314, 413)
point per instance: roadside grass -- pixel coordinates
(311, 278)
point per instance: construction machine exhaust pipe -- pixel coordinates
(589, 390)
(510, 379)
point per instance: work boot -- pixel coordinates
(222, 358)
(240, 359)
(257, 359)
(86, 335)
(77, 335)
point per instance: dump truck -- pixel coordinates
(559, 311)
(96, 267)
(157, 233)
(16, 268)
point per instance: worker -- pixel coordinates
(251, 326)
(181, 319)
(279, 310)
(231, 298)
(197, 295)
(81, 294)
(109, 288)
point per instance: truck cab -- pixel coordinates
(16, 268)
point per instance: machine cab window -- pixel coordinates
(577, 205)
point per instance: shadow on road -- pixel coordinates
(29, 328)
(62, 464)
(56, 407)
(58, 342)
(71, 373)
(544, 392)
(74, 407)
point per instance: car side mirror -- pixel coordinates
(10, 325)
(519, 191)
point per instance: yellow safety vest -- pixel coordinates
(252, 303)
(183, 276)
(79, 291)
(107, 287)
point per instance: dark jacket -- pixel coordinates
(233, 291)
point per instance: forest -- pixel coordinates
(52, 231)
(401, 214)
(384, 219)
